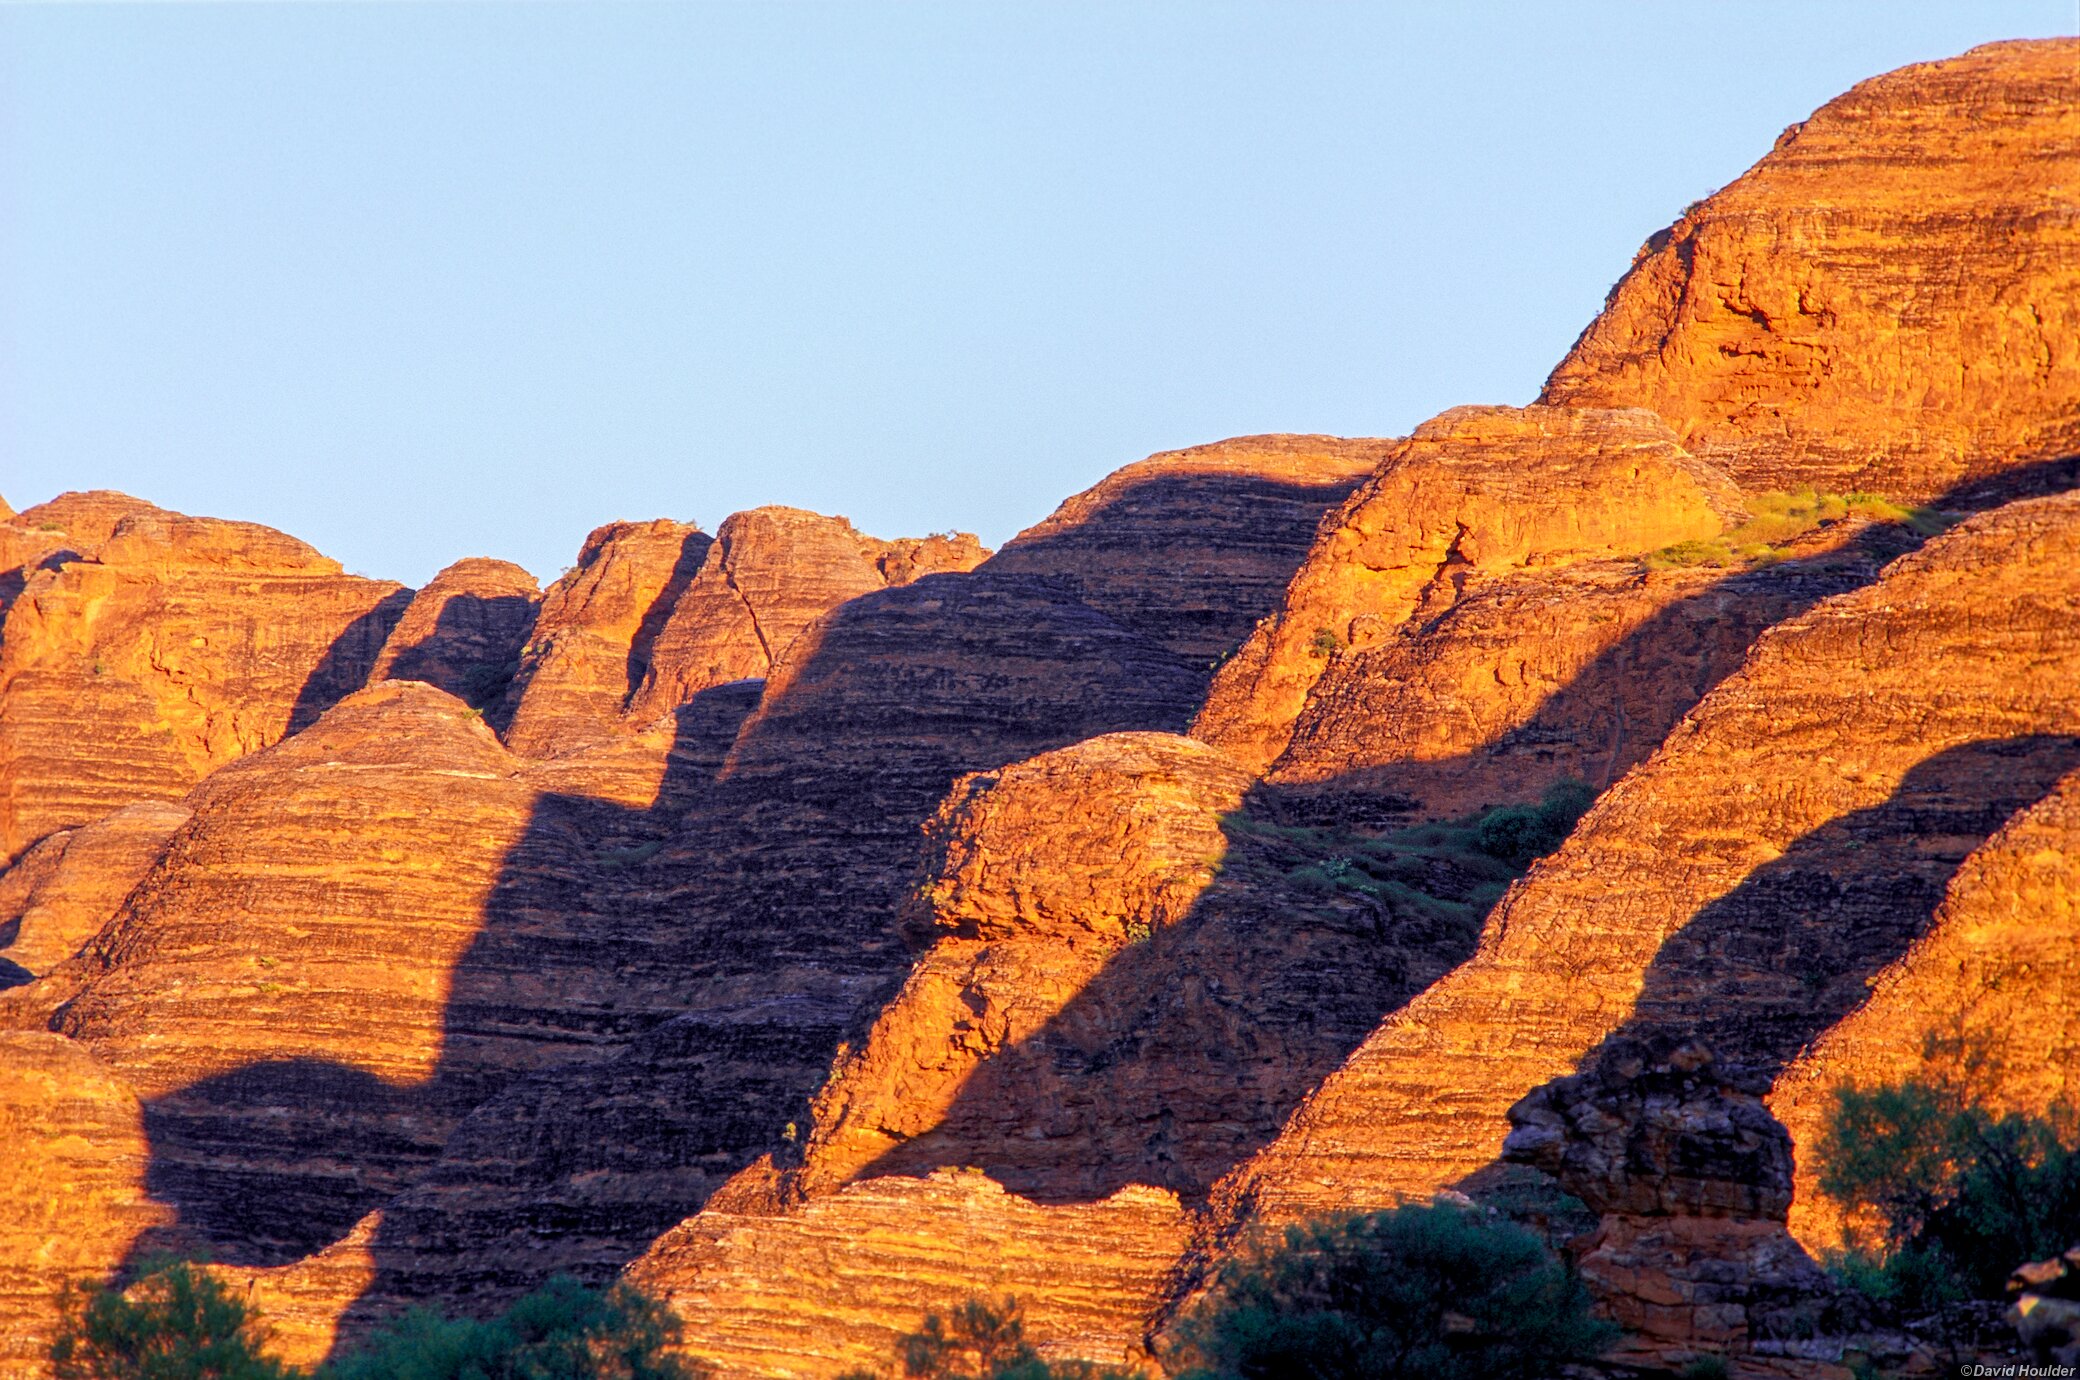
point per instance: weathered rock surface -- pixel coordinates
(464, 631)
(1038, 875)
(1474, 491)
(1535, 676)
(1192, 547)
(1986, 1002)
(770, 573)
(72, 1187)
(1791, 838)
(67, 887)
(178, 645)
(1890, 300)
(812, 1294)
(1692, 1178)
(300, 944)
(593, 636)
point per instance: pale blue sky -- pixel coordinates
(416, 282)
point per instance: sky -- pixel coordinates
(422, 281)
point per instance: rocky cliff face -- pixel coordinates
(592, 639)
(65, 888)
(834, 927)
(1790, 839)
(1691, 1177)
(1885, 302)
(1987, 1001)
(72, 1195)
(171, 646)
(463, 632)
(770, 573)
(1476, 491)
(1245, 509)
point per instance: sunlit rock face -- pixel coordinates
(164, 647)
(1192, 547)
(1986, 1002)
(73, 1200)
(824, 928)
(1476, 491)
(770, 573)
(1889, 301)
(464, 631)
(1791, 838)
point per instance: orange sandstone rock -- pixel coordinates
(1474, 491)
(864, 1266)
(1995, 982)
(592, 639)
(67, 887)
(73, 1198)
(178, 645)
(769, 574)
(1790, 839)
(1191, 547)
(464, 631)
(1890, 300)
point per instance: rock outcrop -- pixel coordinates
(1791, 838)
(592, 639)
(811, 1294)
(73, 1199)
(67, 887)
(1532, 677)
(1691, 1177)
(1889, 301)
(1987, 1002)
(1192, 547)
(770, 573)
(173, 646)
(1475, 491)
(464, 631)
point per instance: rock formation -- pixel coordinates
(72, 1187)
(176, 645)
(463, 632)
(748, 1285)
(1244, 509)
(1691, 1177)
(1889, 301)
(770, 573)
(67, 887)
(1790, 839)
(592, 639)
(1986, 1002)
(1474, 491)
(834, 928)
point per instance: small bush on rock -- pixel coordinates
(1438, 1292)
(562, 1331)
(1952, 1196)
(1522, 834)
(177, 1322)
(978, 1340)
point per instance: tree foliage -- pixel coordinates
(177, 1322)
(1439, 1292)
(562, 1331)
(979, 1340)
(1950, 1196)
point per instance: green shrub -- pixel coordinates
(1958, 1194)
(1325, 643)
(177, 1322)
(1779, 518)
(1521, 834)
(562, 1331)
(1438, 1292)
(978, 1340)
